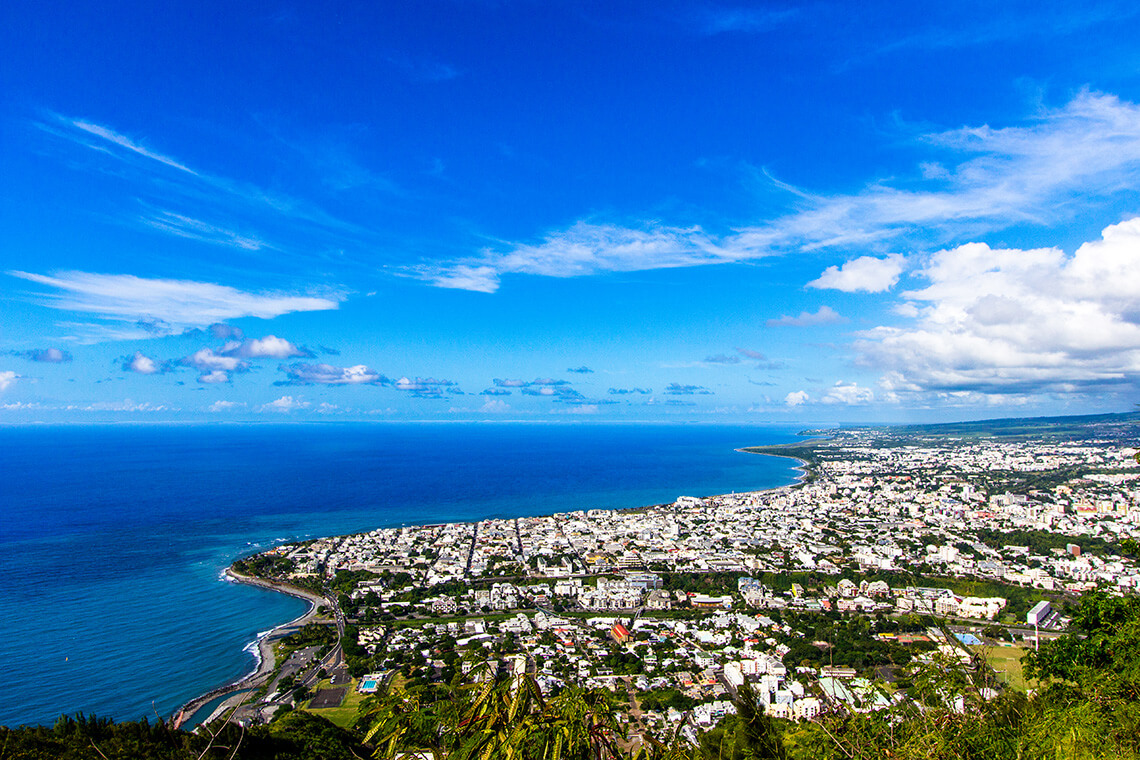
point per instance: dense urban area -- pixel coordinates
(897, 547)
(948, 591)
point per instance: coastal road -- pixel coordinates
(267, 663)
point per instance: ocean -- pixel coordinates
(113, 539)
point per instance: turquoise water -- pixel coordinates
(113, 539)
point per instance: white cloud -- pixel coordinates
(1018, 321)
(866, 273)
(142, 364)
(583, 409)
(176, 304)
(584, 249)
(127, 143)
(216, 376)
(125, 405)
(205, 360)
(7, 378)
(195, 229)
(224, 406)
(796, 398)
(849, 394)
(495, 406)
(268, 347)
(1087, 149)
(825, 315)
(326, 374)
(284, 404)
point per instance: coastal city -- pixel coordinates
(893, 551)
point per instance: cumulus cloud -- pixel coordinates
(7, 378)
(1007, 321)
(300, 373)
(177, 304)
(216, 376)
(268, 347)
(583, 370)
(495, 392)
(866, 273)
(126, 405)
(205, 359)
(142, 364)
(225, 406)
(500, 383)
(850, 394)
(796, 398)
(824, 316)
(676, 389)
(425, 387)
(284, 404)
(495, 406)
(630, 391)
(547, 382)
(46, 355)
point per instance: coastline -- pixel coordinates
(263, 653)
(803, 467)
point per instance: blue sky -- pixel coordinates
(698, 211)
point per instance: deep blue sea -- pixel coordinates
(113, 538)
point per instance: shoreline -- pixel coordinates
(803, 467)
(263, 652)
(261, 647)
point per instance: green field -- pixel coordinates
(1007, 662)
(345, 715)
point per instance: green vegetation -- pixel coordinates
(295, 736)
(1087, 705)
(1043, 542)
(344, 716)
(265, 566)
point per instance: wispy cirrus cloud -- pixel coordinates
(196, 229)
(217, 210)
(975, 179)
(713, 19)
(122, 141)
(176, 304)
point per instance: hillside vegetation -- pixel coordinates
(1088, 708)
